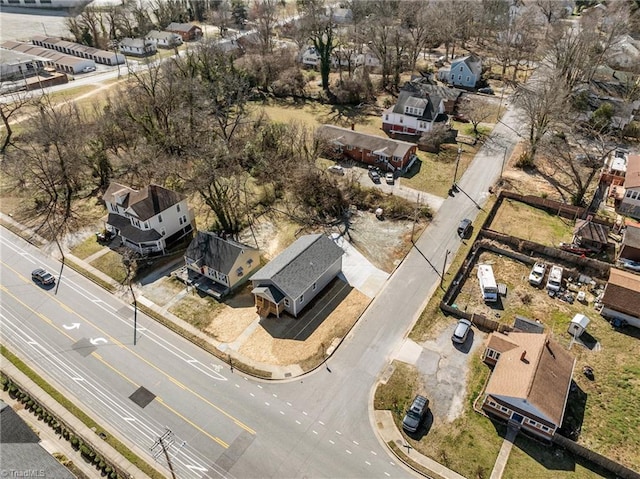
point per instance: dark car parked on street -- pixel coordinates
(464, 228)
(415, 414)
(43, 277)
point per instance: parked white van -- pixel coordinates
(554, 283)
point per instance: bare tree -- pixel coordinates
(264, 14)
(14, 103)
(573, 161)
(319, 28)
(220, 15)
(476, 111)
(542, 105)
(551, 10)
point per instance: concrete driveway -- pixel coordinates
(443, 367)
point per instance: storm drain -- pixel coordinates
(142, 397)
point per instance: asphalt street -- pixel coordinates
(223, 424)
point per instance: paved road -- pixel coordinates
(224, 424)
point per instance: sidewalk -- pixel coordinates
(386, 428)
(78, 426)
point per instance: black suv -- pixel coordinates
(43, 277)
(374, 175)
(464, 228)
(415, 414)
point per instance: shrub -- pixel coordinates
(75, 442)
(84, 450)
(525, 160)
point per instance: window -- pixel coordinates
(178, 207)
(504, 409)
(250, 261)
(180, 220)
(532, 422)
(159, 218)
(314, 286)
(400, 120)
(287, 303)
(240, 271)
(459, 77)
(163, 232)
(468, 79)
(386, 118)
(545, 428)
(146, 225)
(628, 195)
(492, 353)
(301, 300)
(492, 404)
(460, 67)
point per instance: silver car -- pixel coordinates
(462, 331)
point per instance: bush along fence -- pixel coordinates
(86, 448)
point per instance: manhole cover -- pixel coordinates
(142, 397)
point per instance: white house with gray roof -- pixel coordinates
(222, 260)
(149, 220)
(292, 279)
(164, 39)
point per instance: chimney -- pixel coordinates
(522, 356)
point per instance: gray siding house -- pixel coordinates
(465, 71)
(224, 261)
(293, 278)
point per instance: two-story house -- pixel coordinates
(464, 72)
(224, 261)
(291, 280)
(630, 203)
(164, 39)
(530, 382)
(414, 113)
(137, 47)
(149, 220)
(373, 150)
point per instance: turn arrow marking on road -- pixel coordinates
(96, 341)
(71, 326)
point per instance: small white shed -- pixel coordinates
(578, 325)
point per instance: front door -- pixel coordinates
(517, 418)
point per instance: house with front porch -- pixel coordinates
(384, 153)
(148, 220)
(290, 281)
(414, 113)
(221, 259)
(530, 382)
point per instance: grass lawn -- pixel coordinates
(526, 222)
(111, 265)
(434, 172)
(86, 248)
(197, 310)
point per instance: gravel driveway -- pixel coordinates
(444, 368)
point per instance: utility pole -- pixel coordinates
(415, 218)
(504, 161)
(165, 441)
(444, 266)
(455, 173)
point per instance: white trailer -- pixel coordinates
(488, 284)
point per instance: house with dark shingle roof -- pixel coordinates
(414, 113)
(621, 299)
(148, 220)
(291, 280)
(164, 39)
(222, 260)
(530, 382)
(20, 451)
(374, 150)
(187, 31)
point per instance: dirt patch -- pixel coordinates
(162, 291)
(384, 243)
(262, 346)
(237, 315)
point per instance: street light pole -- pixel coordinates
(444, 267)
(504, 161)
(455, 173)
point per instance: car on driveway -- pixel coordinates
(537, 274)
(374, 175)
(415, 414)
(42, 276)
(88, 69)
(462, 331)
(486, 91)
(389, 178)
(337, 169)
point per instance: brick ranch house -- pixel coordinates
(384, 153)
(530, 382)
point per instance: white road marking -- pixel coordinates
(373, 452)
(252, 395)
(348, 451)
(96, 341)
(321, 422)
(331, 441)
(238, 386)
(305, 413)
(282, 412)
(367, 463)
(338, 433)
(260, 387)
(275, 395)
(266, 403)
(315, 432)
(387, 474)
(298, 422)
(289, 404)
(355, 442)
(71, 326)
